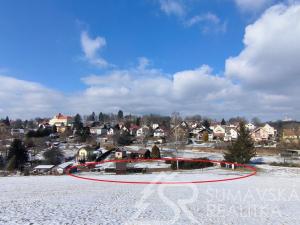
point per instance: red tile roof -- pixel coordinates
(61, 116)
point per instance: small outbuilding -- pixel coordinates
(120, 154)
(62, 168)
(43, 169)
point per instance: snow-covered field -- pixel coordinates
(270, 197)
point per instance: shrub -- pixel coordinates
(187, 165)
(205, 136)
(122, 139)
(53, 156)
(41, 132)
(2, 162)
(155, 154)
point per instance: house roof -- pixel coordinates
(228, 129)
(132, 127)
(44, 167)
(257, 129)
(87, 148)
(159, 130)
(65, 165)
(61, 116)
(205, 129)
(96, 128)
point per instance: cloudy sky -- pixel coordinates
(219, 58)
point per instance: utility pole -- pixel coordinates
(175, 114)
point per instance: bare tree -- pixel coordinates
(178, 134)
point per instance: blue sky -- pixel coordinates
(152, 56)
(43, 37)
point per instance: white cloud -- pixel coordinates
(269, 61)
(190, 91)
(209, 22)
(136, 90)
(26, 99)
(143, 63)
(172, 7)
(91, 47)
(210, 17)
(268, 65)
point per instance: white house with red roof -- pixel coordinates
(61, 120)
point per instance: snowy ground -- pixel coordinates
(219, 156)
(213, 155)
(270, 197)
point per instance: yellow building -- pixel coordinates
(85, 154)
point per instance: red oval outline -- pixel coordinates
(251, 168)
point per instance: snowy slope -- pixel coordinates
(267, 198)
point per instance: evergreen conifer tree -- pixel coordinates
(242, 150)
(17, 155)
(155, 154)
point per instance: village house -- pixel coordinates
(259, 134)
(124, 129)
(200, 131)
(62, 122)
(98, 130)
(110, 131)
(184, 124)
(270, 130)
(143, 131)
(17, 132)
(44, 124)
(231, 134)
(133, 129)
(250, 126)
(194, 125)
(159, 132)
(155, 125)
(86, 154)
(194, 132)
(264, 133)
(219, 131)
(203, 132)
